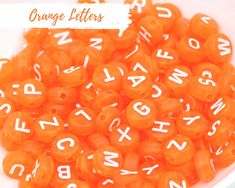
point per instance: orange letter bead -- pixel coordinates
(73, 76)
(97, 140)
(203, 26)
(106, 160)
(107, 77)
(65, 147)
(178, 79)
(43, 170)
(47, 127)
(140, 113)
(82, 121)
(192, 124)
(204, 165)
(162, 129)
(18, 126)
(6, 107)
(220, 132)
(125, 138)
(191, 49)
(166, 58)
(108, 118)
(178, 150)
(76, 184)
(150, 30)
(167, 14)
(137, 84)
(17, 164)
(172, 179)
(218, 48)
(32, 93)
(182, 28)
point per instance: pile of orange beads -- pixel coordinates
(153, 107)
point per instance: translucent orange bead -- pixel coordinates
(218, 48)
(150, 150)
(140, 113)
(178, 150)
(86, 34)
(162, 129)
(152, 171)
(137, 84)
(125, 138)
(203, 26)
(44, 69)
(207, 69)
(165, 57)
(62, 95)
(150, 30)
(103, 43)
(35, 34)
(84, 166)
(17, 164)
(32, 93)
(82, 121)
(204, 88)
(106, 160)
(48, 126)
(191, 49)
(6, 107)
(220, 132)
(107, 77)
(43, 170)
(227, 85)
(108, 118)
(224, 155)
(177, 79)
(7, 143)
(11, 90)
(172, 178)
(124, 40)
(190, 103)
(159, 92)
(204, 165)
(18, 126)
(145, 64)
(107, 98)
(73, 76)
(7, 73)
(192, 124)
(167, 14)
(97, 140)
(65, 147)
(170, 40)
(140, 9)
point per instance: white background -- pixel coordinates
(223, 11)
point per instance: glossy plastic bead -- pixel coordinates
(62, 59)
(18, 126)
(76, 183)
(220, 132)
(159, 92)
(218, 48)
(172, 179)
(106, 77)
(192, 124)
(7, 143)
(162, 129)
(17, 164)
(106, 160)
(140, 113)
(182, 27)
(150, 30)
(204, 165)
(65, 147)
(6, 107)
(178, 79)
(82, 121)
(73, 76)
(47, 127)
(191, 49)
(97, 140)
(125, 138)
(32, 93)
(178, 150)
(34, 148)
(137, 84)
(203, 26)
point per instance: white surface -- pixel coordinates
(221, 10)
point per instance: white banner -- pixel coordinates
(65, 15)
